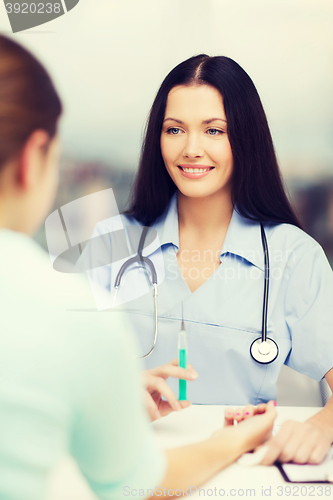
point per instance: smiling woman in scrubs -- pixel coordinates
(68, 383)
(208, 176)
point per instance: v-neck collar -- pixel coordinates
(243, 236)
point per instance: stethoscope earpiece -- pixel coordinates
(264, 352)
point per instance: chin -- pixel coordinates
(195, 192)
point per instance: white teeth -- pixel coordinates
(195, 170)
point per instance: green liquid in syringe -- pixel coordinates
(182, 383)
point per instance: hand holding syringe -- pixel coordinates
(157, 387)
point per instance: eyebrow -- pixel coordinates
(204, 122)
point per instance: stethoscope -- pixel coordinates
(143, 261)
(264, 350)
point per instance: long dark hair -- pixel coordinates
(28, 99)
(257, 188)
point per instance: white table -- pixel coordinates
(199, 421)
(188, 426)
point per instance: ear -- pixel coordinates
(32, 157)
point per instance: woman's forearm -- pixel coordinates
(195, 464)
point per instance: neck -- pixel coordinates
(17, 201)
(206, 214)
(7, 222)
(12, 214)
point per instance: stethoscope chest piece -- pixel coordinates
(264, 352)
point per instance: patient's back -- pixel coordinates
(66, 376)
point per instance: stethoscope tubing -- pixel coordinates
(266, 287)
(145, 261)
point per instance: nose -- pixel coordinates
(193, 147)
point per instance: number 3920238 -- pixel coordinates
(33, 8)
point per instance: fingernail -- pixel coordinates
(274, 403)
(247, 413)
(237, 413)
(229, 413)
(193, 375)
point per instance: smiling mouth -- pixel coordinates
(195, 170)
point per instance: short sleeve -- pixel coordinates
(112, 441)
(309, 314)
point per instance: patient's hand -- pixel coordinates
(254, 425)
(232, 416)
(155, 384)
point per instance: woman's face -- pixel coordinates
(194, 141)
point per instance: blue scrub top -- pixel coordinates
(224, 315)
